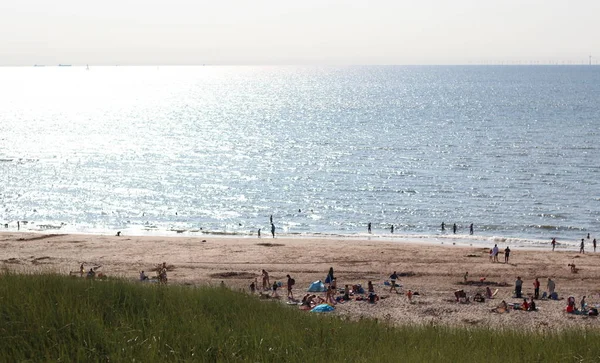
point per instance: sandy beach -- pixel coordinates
(435, 271)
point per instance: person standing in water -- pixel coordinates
(271, 219)
(553, 244)
(259, 233)
(392, 229)
(443, 226)
(369, 227)
(471, 229)
(454, 228)
(594, 244)
(273, 230)
(18, 226)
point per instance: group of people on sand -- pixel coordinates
(549, 294)
(495, 251)
(161, 274)
(332, 294)
(503, 307)
(584, 308)
(90, 274)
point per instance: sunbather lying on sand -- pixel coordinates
(502, 308)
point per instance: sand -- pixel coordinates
(436, 271)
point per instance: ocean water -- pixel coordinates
(325, 150)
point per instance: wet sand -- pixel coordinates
(435, 271)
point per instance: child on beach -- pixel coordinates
(393, 278)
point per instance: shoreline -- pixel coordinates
(439, 238)
(434, 270)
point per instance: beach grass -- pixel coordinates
(46, 317)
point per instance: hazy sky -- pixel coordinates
(297, 32)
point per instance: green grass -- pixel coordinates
(52, 318)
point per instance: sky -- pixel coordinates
(182, 32)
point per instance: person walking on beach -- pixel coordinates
(506, 254)
(393, 278)
(582, 247)
(495, 253)
(290, 283)
(594, 244)
(536, 288)
(454, 228)
(471, 229)
(518, 287)
(369, 227)
(273, 230)
(443, 226)
(553, 244)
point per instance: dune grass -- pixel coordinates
(52, 318)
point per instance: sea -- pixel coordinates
(322, 150)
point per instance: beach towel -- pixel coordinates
(316, 286)
(323, 308)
